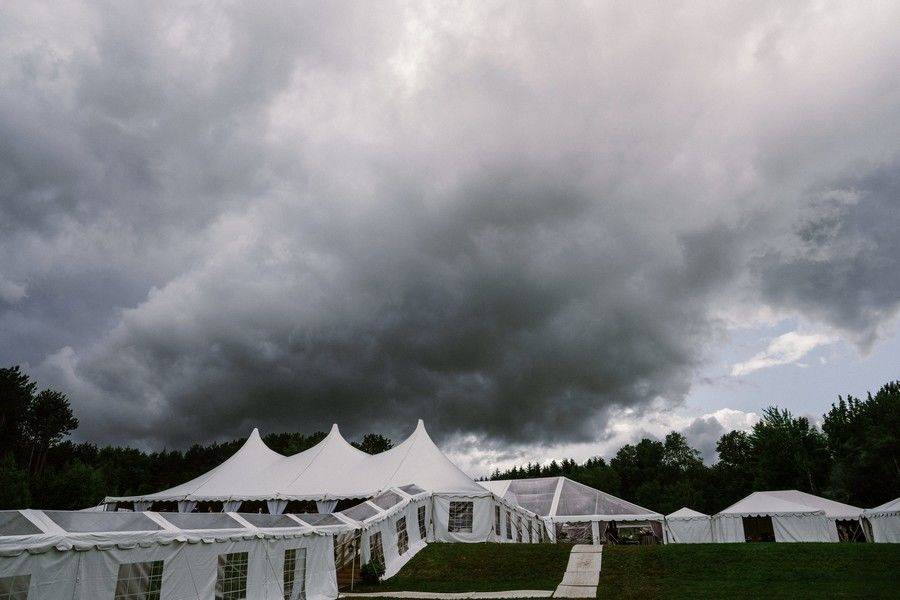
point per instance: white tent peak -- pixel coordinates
(685, 513)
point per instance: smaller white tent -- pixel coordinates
(885, 521)
(687, 526)
(796, 516)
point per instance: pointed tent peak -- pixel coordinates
(684, 512)
(254, 434)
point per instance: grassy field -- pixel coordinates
(479, 568)
(751, 571)
(689, 571)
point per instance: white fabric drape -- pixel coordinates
(276, 507)
(326, 506)
(801, 528)
(885, 527)
(186, 506)
(142, 505)
(696, 530)
(482, 519)
(728, 528)
(231, 506)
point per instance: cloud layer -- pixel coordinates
(510, 220)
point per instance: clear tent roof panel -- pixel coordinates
(266, 520)
(360, 512)
(13, 523)
(535, 495)
(89, 522)
(412, 489)
(387, 500)
(578, 499)
(319, 519)
(189, 521)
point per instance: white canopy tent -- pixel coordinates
(462, 510)
(62, 555)
(565, 505)
(687, 526)
(796, 516)
(885, 521)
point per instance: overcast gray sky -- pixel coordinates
(545, 228)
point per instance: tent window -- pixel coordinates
(402, 536)
(519, 529)
(376, 550)
(295, 574)
(231, 576)
(460, 517)
(421, 514)
(508, 525)
(137, 581)
(530, 538)
(16, 587)
(497, 521)
(758, 529)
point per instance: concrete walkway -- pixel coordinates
(454, 595)
(582, 574)
(579, 581)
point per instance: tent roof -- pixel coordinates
(789, 501)
(38, 531)
(332, 469)
(243, 473)
(686, 513)
(888, 507)
(561, 498)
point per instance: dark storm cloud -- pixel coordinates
(505, 219)
(845, 269)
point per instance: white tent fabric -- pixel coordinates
(331, 470)
(796, 516)
(687, 526)
(885, 522)
(392, 506)
(61, 555)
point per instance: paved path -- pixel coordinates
(454, 595)
(579, 581)
(582, 574)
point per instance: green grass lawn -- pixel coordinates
(676, 571)
(751, 571)
(479, 568)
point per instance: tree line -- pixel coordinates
(853, 457)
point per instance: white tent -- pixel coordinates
(567, 505)
(463, 511)
(62, 555)
(796, 516)
(687, 526)
(885, 521)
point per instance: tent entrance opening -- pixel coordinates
(758, 529)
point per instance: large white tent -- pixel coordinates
(566, 505)
(885, 521)
(796, 516)
(462, 510)
(688, 526)
(62, 555)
